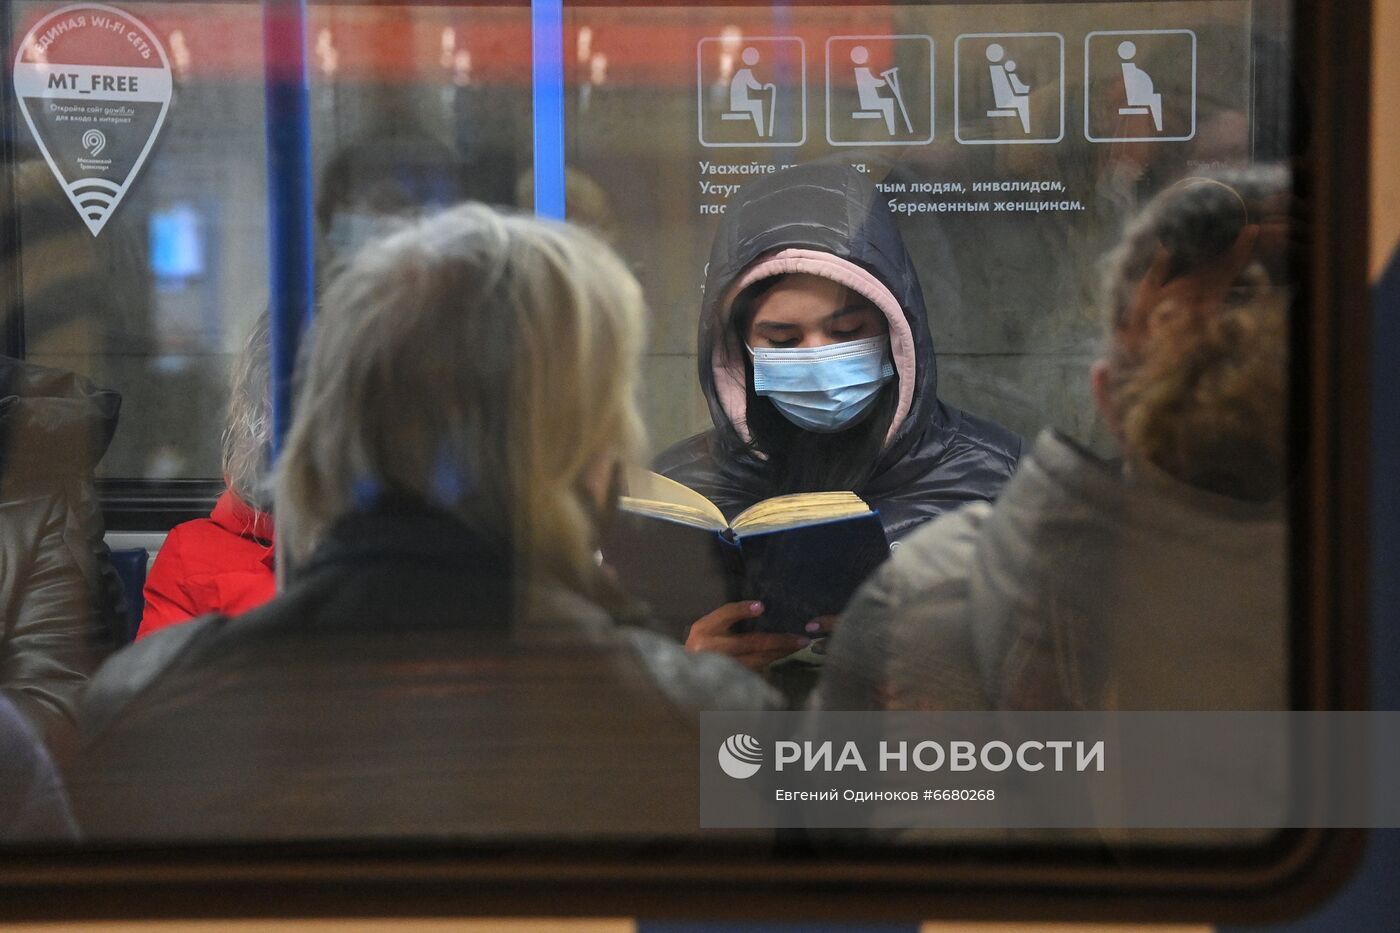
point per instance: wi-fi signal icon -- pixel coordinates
(95, 199)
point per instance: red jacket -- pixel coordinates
(222, 563)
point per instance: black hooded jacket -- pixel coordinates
(936, 457)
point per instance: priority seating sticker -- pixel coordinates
(94, 86)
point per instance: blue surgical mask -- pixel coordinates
(823, 389)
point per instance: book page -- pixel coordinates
(650, 493)
(804, 508)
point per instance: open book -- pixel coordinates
(803, 555)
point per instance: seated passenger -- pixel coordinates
(808, 266)
(60, 598)
(224, 563)
(444, 658)
(1157, 581)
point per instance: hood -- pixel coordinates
(825, 219)
(52, 422)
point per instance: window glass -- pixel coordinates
(415, 108)
(1005, 287)
(153, 304)
(412, 108)
(1006, 198)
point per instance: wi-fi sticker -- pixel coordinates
(94, 86)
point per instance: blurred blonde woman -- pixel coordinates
(1156, 580)
(444, 657)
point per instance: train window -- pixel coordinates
(148, 299)
(156, 298)
(414, 108)
(992, 150)
(927, 388)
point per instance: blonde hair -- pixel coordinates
(1198, 304)
(477, 361)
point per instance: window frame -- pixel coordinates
(1330, 508)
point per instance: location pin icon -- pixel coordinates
(94, 86)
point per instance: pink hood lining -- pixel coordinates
(730, 375)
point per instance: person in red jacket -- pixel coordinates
(224, 563)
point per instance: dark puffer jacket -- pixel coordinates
(406, 685)
(59, 596)
(827, 219)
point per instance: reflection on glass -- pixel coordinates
(413, 108)
(446, 657)
(1156, 580)
(962, 349)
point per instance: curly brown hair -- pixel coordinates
(1197, 299)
